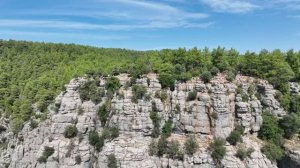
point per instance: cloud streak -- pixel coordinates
(231, 6)
(112, 15)
(64, 35)
(59, 24)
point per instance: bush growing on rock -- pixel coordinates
(167, 129)
(138, 92)
(290, 124)
(217, 149)
(33, 124)
(243, 153)
(48, 151)
(171, 148)
(103, 113)
(90, 91)
(252, 89)
(230, 76)
(206, 76)
(192, 95)
(70, 131)
(236, 135)
(112, 161)
(96, 141)
(153, 148)
(110, 133)
(191, 145)
(114, 132)
(214, 115)
(273, 151)
(156, 124)
(214, 70)
(174, 151)
(163, 95)
(78, 159)
(2, 129)
(269, 129)
(167, 80)
(177, 109)
(80, 111)
(162, 146)
(112, 84)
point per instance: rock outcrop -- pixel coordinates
(214, 113)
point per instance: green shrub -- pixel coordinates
(70, 131)
(230, 76)
(138, 92)
(162, 146)
(167, 129)
(192, 96)
(214, 115)
(163, 95)
(177, 109)
(174, 151)
(294, 104)
(183, 77)
(206, 76)
(243, 153)
(252, 90)
(272, 151)
(217, 149)
(290, 124)
(154, 108)
(96, 141)
(78, 159)
(48, 151)
(269, 129)
(236, 135)
(112, 84)
(214, 70)
(155, 132)
(90, 91)
(166, 80)
(112, 161)
(80, 111)
(33, 124)
(103, 113)
(284, 100)
(156, 124)
(191, 145)
(153, 148)
(148, 82)
(114, 132)
(2, 129)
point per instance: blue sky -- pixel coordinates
(155, 24)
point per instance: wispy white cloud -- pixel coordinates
(231, 6)
(285, 4)
(112, 15)
(60, 24)
(62, 35)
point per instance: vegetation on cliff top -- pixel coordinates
(32, 74)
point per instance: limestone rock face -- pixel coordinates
(294, 87)
(214, 112)
(268, 99)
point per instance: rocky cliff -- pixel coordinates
(218, 107)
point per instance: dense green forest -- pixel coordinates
(34, 73)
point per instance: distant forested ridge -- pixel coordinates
(32, 74)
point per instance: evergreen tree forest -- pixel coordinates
(32, 74)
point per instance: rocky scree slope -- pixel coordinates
(214, 112)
